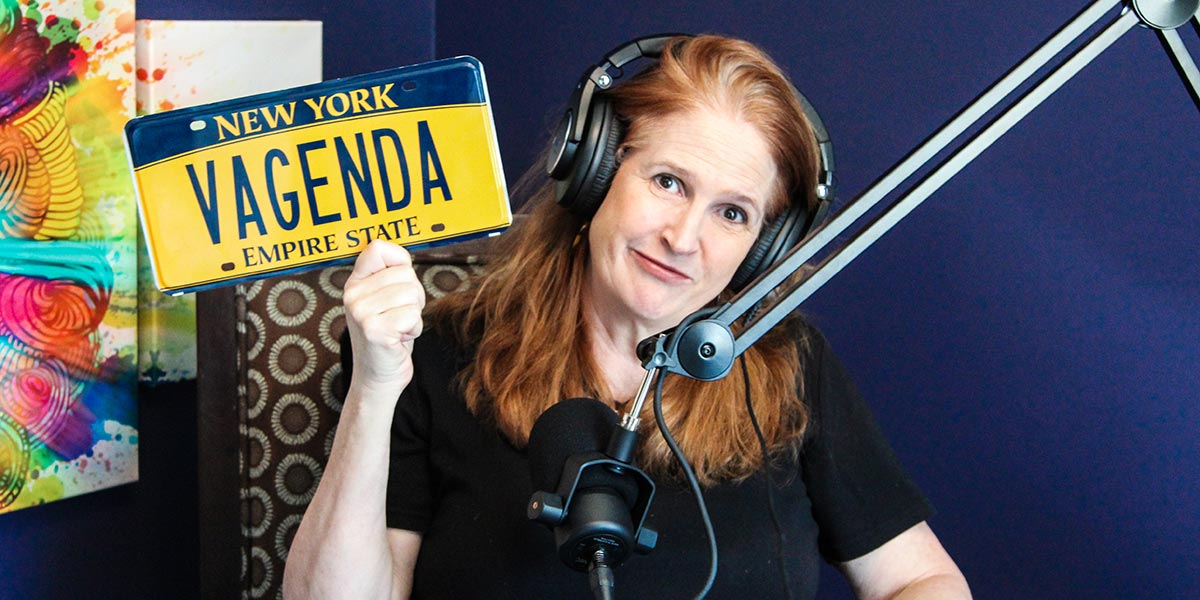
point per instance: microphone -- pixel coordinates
(595, 500)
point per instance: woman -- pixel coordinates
(427, 481)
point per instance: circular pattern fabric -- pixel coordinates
(256, 391)
(290, 398)
(257, 452)
(256, 512)
(331, 386)
(284, 534)
(256, 334)
(296, 478)
(291, 303)
(294, 419)
(332, 325)
(289, 336)
(293, 359)
(261, 572)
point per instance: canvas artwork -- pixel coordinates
(186, 63)
(68, 259)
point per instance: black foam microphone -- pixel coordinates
(594, 502)
(574, 426)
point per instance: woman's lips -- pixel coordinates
(661, 270)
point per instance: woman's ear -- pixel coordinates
(619, 156)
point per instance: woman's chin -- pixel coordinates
(659, 312)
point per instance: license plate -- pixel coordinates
(305, 177)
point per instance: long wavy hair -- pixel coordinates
(524, 314)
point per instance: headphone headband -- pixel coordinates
(599, 77)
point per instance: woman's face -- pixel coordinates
(684, 208)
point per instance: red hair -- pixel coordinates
(524, 315)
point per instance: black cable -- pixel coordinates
(762, 444)
(691, 479)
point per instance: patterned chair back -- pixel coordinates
(288, 370)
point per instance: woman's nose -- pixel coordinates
(681, 232)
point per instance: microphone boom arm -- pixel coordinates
(703, 346)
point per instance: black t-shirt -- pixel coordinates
(455, 479)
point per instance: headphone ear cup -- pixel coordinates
(762, 245)
(775, 239)
(595, 161)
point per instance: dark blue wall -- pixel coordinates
(1028, 337)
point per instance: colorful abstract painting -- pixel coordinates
(68, 258)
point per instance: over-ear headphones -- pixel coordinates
(584, 158)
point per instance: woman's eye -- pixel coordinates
(734, 214)
(667, 182)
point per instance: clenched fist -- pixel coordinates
(383, 299)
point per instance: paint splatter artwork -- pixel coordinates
(68, 259)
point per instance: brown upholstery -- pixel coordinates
(288, 370)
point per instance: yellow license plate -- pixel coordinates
(305, 177)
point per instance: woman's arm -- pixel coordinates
(343, 548)
(910, 565)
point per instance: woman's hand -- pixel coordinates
(383, 300)
(343, 548)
